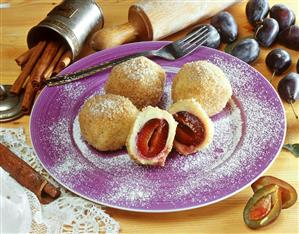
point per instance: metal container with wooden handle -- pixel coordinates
(156, 19)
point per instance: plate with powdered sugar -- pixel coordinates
(248, 135)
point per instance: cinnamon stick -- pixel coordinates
(27, 176)
(23, 58)
(28, 99)
(43, 63)
(64, 61)
(22, 66)
(48, 72)
(18, 84)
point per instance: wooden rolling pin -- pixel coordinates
(155, 19)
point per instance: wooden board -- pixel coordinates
(223, 217)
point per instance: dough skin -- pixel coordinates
(105, 121)
(205, 82)
(139, 79)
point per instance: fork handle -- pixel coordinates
(67, 78)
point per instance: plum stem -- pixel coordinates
(294, 111)
(272, 77)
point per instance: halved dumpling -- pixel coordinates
(195, 129)
(151, 136)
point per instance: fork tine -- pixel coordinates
(191, 35)
(199, 41)
(193, 46)
(196, 37)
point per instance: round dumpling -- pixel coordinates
(206, 83)
(139, 79)
(105, 121)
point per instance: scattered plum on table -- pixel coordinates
(283, 15)
(267, 32)
(246, 49)
(226, 25)
(256, 11)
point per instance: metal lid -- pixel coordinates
(10, 104)
(71, 22)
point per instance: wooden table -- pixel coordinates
(223, 217)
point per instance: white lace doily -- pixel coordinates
(68, 214)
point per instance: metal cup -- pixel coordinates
(72, 21)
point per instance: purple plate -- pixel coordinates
(249, 134)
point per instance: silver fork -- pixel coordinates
(172, 51)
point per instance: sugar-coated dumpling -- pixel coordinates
(139, 79)
(206, 83)
(105, 121)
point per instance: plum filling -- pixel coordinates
(152, 138)
(288, 192)
(190, 130)
(261, 209)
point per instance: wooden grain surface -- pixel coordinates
(222, 217)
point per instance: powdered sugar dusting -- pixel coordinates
(228, 131)
(73, 90)
(139, 69)
(108, 107)
(105, 105)
(59, 140)
(248, 134)
(166, 100)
